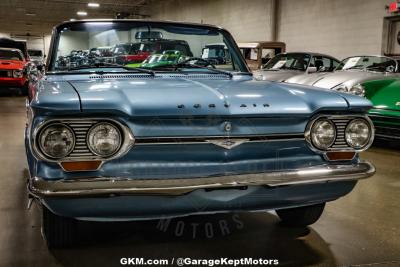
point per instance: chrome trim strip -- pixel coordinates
(385, 136)
(110, 186)
(204, 139)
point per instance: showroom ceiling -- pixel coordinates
(37, 17)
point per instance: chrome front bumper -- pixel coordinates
(106, 186)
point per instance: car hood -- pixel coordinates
(384, 94)
(331, 80)
(11, 64)
(176, 97)
(277, 76)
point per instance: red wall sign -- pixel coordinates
(394, 7)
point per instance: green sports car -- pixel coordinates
(168, 57)
(385, 96)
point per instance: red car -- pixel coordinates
(12, 63)
(138, 52)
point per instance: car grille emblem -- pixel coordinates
(227, 126)
(227, 143)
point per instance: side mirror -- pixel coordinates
(312, 69)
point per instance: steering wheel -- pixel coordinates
(207, 63)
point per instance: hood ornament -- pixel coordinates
(227, 143)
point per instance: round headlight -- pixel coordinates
(358, 133)
(323, 134)
(357, 89)
(56, 141)
(18, 73)
(104, 139)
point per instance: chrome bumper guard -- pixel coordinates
(103, 186)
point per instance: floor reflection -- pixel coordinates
(241, 235)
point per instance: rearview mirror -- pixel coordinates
(148, 35)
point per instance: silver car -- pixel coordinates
(351, 73)
(287, 65)
(36, 56)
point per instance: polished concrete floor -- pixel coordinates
(362, 228)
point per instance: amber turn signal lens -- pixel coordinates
(340, 155)
(75, 166)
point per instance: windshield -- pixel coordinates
(135, 44)
(121, 49)
(10, 55)
(292, 61)
(374, 63)
(35, 53)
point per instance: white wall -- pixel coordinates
(341, 27)
(337, 27)
(247, 20)
(3, 34)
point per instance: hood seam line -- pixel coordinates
(79, 96)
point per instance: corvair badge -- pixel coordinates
(227, 143)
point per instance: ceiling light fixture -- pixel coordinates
(72, 19)
(93, 5)
(81, 13)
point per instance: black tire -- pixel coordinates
(301, 216)
(58, 231)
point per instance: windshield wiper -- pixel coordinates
(111, 65)
(186, 64)
(215, 70)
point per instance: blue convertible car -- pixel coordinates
(108, 142)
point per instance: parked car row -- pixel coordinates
(130, 54)
(376, 78)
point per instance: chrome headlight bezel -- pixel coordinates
(313, 133)
(127, 142)
(93, 149)
(340, 133)
(18, 73)
(369, 139)
(357, 90)
(43, 150)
